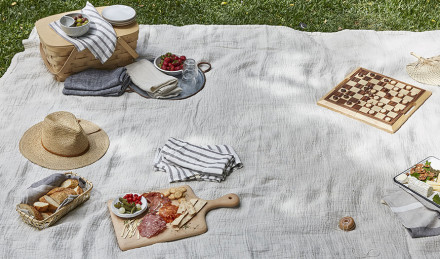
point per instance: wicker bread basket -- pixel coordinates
(42, 224)
(62, 59)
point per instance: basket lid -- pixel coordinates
(50, 38)
(425, 70)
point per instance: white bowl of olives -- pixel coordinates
(129, 205)
(75, 24)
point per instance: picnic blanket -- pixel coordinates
(305, 166)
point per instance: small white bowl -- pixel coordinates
(144, 206)
(171, 73)
(74, 31)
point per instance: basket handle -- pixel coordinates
(49, 67)
(127, 47)
(204, 63)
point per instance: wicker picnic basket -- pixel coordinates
(62, 59)
(42, 224)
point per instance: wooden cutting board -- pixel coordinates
(194, 227)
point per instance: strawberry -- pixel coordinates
(164, 67)
(183, 58)
(167, 60)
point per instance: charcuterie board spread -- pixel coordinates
(423, 179)
(172, 214)
(381, 101)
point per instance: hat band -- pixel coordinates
(80, 154)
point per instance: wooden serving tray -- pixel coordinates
(194, 227)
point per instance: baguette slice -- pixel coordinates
(78, 190)
(54, 190)
(32, 211)
(59, 197)
(46, 214)
(53, 205)
(41, 206)
(70, 183)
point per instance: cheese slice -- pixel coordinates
(185, 220)
(179, 219)
(199, 205)
(190, 208)
(182, 208)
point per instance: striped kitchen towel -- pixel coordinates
(419, 217)
(100, 39)
(183, 161)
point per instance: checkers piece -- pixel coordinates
(347, 224)
(378, 100)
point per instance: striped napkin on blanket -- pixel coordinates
(419, 217)
(100, 39)
(183, 161)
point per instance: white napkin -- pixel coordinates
(159, 85)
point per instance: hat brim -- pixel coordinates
(31, 148)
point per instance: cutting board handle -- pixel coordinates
(228, 201)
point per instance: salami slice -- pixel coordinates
(168, 212)
(151, 225)
(156, 200)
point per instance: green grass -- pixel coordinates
(17, 18)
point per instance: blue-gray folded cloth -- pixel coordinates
(94, 82)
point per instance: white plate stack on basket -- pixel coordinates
(119, 15)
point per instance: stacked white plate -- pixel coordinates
(119, 15)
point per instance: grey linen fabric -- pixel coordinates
(100, 38)
(183, 161)
(306, 167)
(419, 217)
(94, 82)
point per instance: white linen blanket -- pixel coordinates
(305, 166)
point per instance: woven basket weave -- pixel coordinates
(62, 59)
(42, 224)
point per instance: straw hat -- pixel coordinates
(64, 142)
(425, 70)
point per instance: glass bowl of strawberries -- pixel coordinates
(170, 64)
